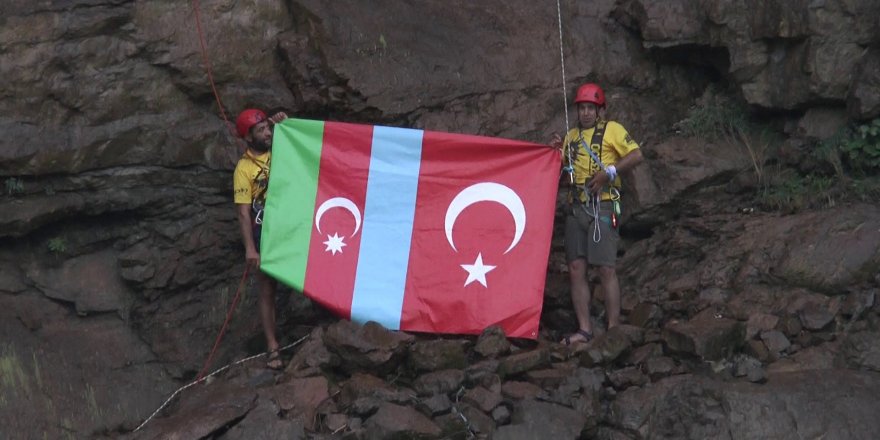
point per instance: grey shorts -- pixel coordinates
(580, 236)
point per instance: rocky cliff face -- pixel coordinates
(119, 250)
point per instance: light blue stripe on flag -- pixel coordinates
(387, 229)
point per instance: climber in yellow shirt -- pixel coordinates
(596, 153)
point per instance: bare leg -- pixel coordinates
(267, 309)
(580, 297)
(608, 275)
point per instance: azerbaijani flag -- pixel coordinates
(416, 230)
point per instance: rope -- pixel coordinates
(214, 373)
(207, 61)
(562, 61)
(570, 155)
(225, 323)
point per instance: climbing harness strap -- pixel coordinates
(258, 200)
(592, 203)
(597, 140)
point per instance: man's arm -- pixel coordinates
(247, 234)
(629, 161)
(625, 164)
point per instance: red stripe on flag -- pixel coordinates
(437, 299)
(344, 168)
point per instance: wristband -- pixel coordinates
(611, 171)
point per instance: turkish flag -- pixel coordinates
(417, 230)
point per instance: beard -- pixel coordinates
(260, 146)
(588, 123)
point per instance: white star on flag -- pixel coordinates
(334, 243)
(477, 271)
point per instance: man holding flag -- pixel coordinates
(250, 182)
(597, 152)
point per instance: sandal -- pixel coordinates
(274, 361)
(583, 333)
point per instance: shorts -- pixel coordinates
(580, 234)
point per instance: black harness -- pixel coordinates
(595, 144)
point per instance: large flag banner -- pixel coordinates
(416, 230)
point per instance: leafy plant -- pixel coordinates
(14, 186)
(759, 144)
(855, 149)
(12, 373)
(715, 116)
(89, 396)
(867, 189)
(795, 192)
(57, 245)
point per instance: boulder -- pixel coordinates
(548, 378)
(641, 354)
(760, 322)
(815, 316)
(517, 390)
(833, 404)
(863, 101)
(311, 356)
(492, 343)
(706, 336)
(299, 398)
(657, 367)
(831, 251)
(434, 405)
(821, 357)
(264, 422)
(749, 367)
(611, 345)
(522, 362)
(857, 303)
(370, 347)
(362, 385)
(483, 399)
(395, 421)
(477, 421)
(645, 315)
(440, 354)
(626, 377)
(439, 382)
(197, 418)
(862, 350)
(91, 282)
(775, 341)
(533, 420)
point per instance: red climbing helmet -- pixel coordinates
(590, 93)
(247, 119)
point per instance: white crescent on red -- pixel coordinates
(487, 192)
(339, 202)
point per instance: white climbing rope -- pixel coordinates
(570, 167)
(562, 62)
(215, 372)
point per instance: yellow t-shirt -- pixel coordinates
(616, 143)
(251, 178)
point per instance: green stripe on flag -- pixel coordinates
(290, 201)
